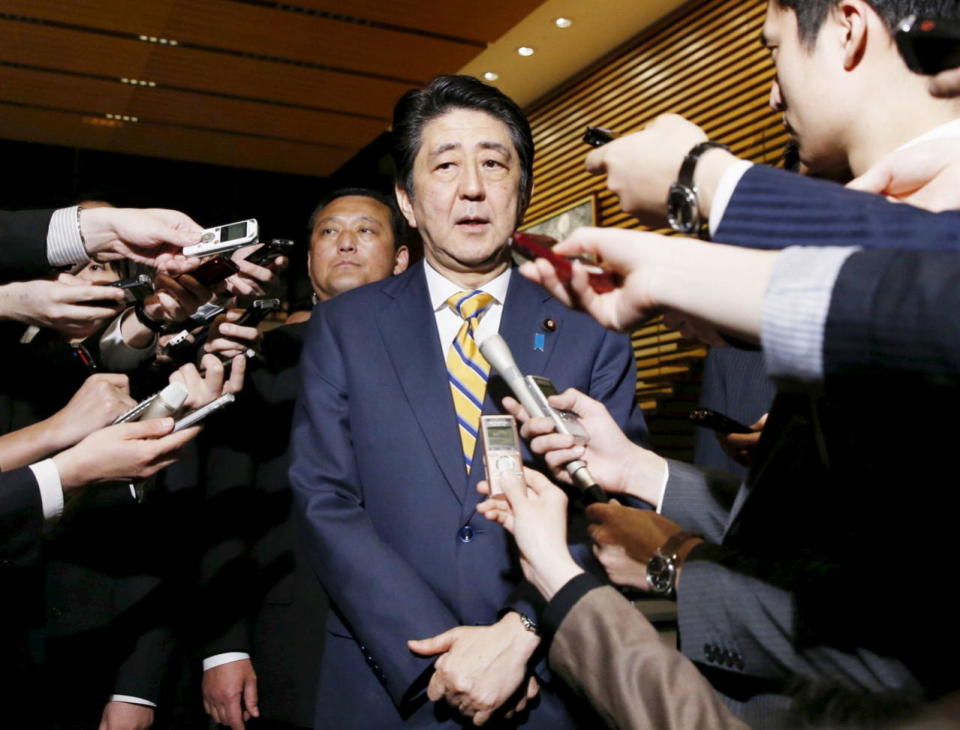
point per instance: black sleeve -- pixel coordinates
(23, 244)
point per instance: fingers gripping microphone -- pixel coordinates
(495, 349)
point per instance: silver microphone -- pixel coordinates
(497, 352)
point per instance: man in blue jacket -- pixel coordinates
(385, 460)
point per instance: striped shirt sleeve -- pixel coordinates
(64, 245)
(795, 310)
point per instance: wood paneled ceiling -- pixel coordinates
(290, 87)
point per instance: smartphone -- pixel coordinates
(501, 449)
(598, 136)
(226, 238)
(929, 45)
(530, 246)
(194, 417)
(258, 310)
(269, 251)
(212, 272)
(568, 422)
(716, 421)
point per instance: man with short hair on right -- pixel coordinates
(795, 585)
(263, 611)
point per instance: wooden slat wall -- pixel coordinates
(705, 62)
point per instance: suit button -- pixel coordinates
(57, 612)
(725, 658)
(738, 661)
(708, 652)
(465, 533)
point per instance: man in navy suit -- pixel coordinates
(379, 467)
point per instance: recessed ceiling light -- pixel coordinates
(563, 22)
(525, 51)
(491, 76)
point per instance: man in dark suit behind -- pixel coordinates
(262, 609)
(384, 469)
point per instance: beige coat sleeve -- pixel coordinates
(606, 650)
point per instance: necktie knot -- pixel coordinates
(470, 305)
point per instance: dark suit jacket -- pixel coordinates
(390, 515)
(258, 595)
(23, 244)
(21, 519)
(893, 315)
(773, 209)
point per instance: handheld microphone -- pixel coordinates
(496, 351)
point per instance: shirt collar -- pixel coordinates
(947, 129)
(441, 288)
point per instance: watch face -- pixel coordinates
(682, 211)
(660, 574)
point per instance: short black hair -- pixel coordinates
(397, 222)
(812, 13)
(457, 91)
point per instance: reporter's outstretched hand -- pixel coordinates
(151, 236)
(175, 298)
(534, 511)
(630, 255)
(925, 174)
(227, 340)
(641, 166)
(618, 465)
(125, 452)
(101, 398)
(212, 383)
(740, 446)
(252, 280)
(62, 305)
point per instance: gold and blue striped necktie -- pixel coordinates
(467, 369)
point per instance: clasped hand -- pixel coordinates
(480, 668)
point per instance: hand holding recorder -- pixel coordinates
(153, 236)
(619, 465)
(534, 511)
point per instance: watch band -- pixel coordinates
(528, 623)
(143, 319)
(677, 540)
(662, 567)
(683, 193)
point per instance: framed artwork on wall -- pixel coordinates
(561, 223)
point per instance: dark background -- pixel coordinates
(49, 176)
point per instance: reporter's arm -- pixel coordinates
(605, 649)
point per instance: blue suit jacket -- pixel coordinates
(773, 209)
(389, 510)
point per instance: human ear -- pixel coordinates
(855, 32)
(406, 207)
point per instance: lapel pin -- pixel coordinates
(549, 325)
(539, 339)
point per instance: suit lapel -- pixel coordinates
(525, 312)
(409, 331)
(524, 316)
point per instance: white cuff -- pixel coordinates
(663, 487)
(795, 308)
(64, 245)
(725, 188)
(51, 490)
(217, 659)
(132, 700)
